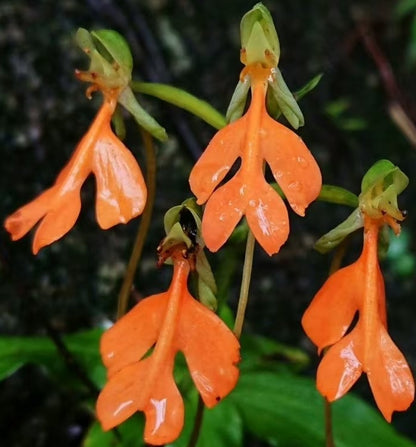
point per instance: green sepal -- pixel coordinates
(204, 271)
(116, 47)
(143, 119)
(281, 99)
(173, 215)
(111, 61)
(333, 238)
(380, 187)
(183, 225)
(176, 236)
(259, 40)
(238, 101)
(273, 105)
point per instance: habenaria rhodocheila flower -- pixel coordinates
(139, 352)
(256, 138)
(360, 288)
(120, 187)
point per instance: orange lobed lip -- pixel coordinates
(255, 138)
(368, 347)
(121, 190)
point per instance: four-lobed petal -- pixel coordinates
(139, 352)
(256, 139)
(121, 190)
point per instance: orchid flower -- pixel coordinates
(121, 190)
(139, 352)
(359, 288)
(256, 138)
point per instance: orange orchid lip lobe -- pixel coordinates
(141, 381)
(255, 138)
(368, 347)
(121, 190)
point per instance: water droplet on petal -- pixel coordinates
(295, 186)
(302, 162)
(160, 408)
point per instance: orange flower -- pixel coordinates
(255, 138)
(167, 323)
(121, 190)
(368, 347)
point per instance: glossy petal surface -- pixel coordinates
(255, 138)
(211, 351)
(368, 347)
(340, 367)
(333, 308)
(139, 352)
(121, 191)
(389, 375)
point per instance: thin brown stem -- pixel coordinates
(125, 291)
(329, 435)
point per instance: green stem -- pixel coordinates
(124, 295)
(182, 99)
(245, 285)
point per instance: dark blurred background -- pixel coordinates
(362, 110)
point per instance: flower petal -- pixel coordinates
(121, 190)
(389, 375)
(128, 391)
(64, 209)
(22, 220)
(291, 163)
(217, 159)
(223, 212)
(341, 366)
(211, 350)
(164, 410)
(267, 216)
(332, 309)
(134, 334)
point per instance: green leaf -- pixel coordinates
(221, 425)
(405, 7)
(267, 354)
(184, 100)
(287, 410)
(84, 346)
(338, 195)
(309, 86)
(128, 434)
